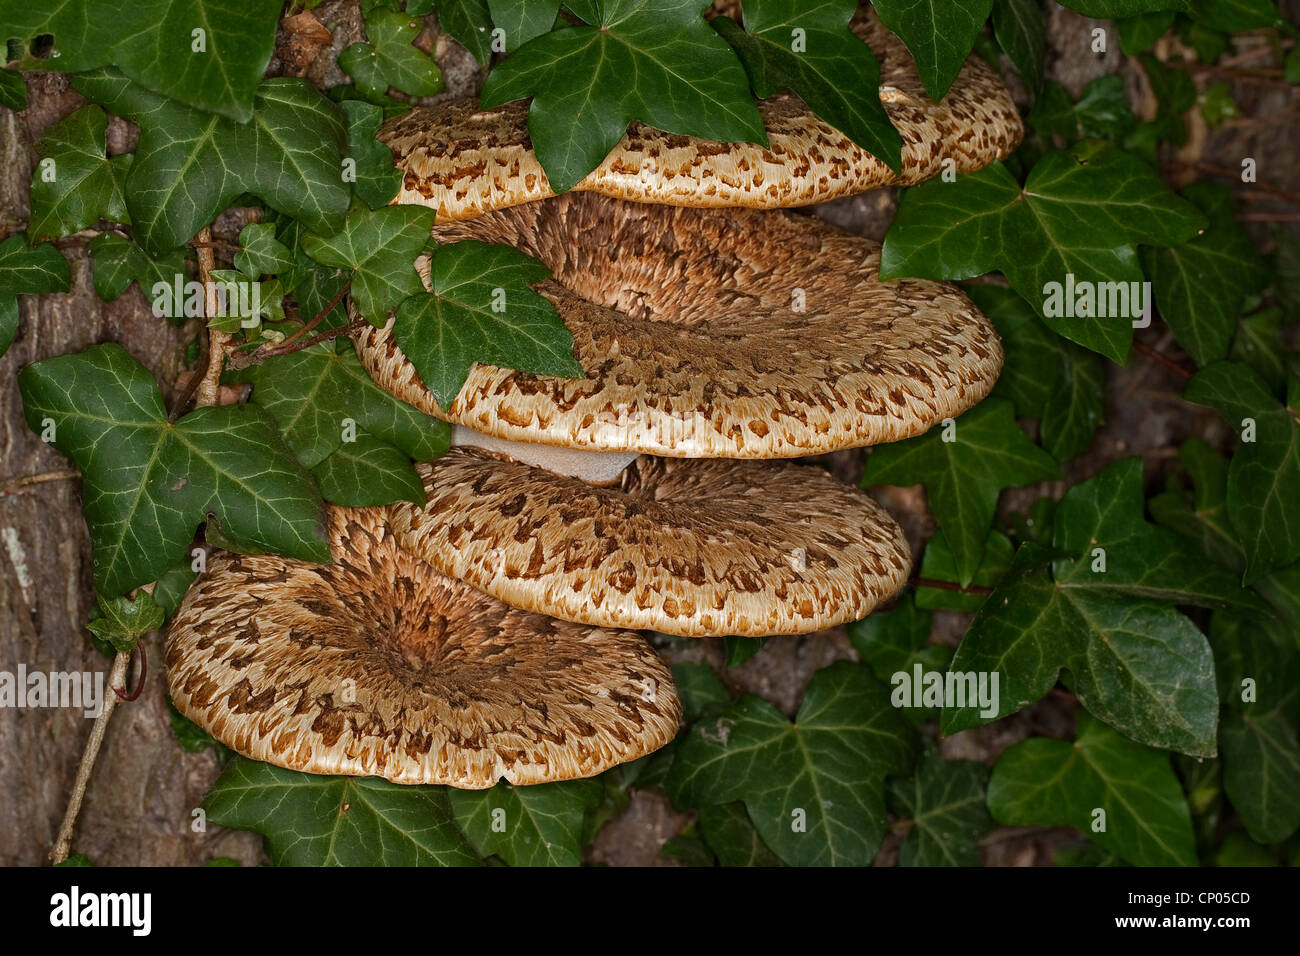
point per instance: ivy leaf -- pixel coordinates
(688, 81)
(1201, 284)
(147, 483)
(523, 21)
(740, 649)
(32, 269)
(1077, 215)
(894, 641)
(76, 184)
(190, 165)
(1138, 34)
(1232, 16)
(313, 820)
(964, 465)
(1262, 502)
(377, 178)
(727, 830)
(313, 394)
(1175, 92)
(699, 687)
(1046, 377)
(937, 564)
(1098, 604)
(27, 270)
(1114, 9)
(809, 49)
(446, 331)
(814, 788)
(1259, 684)
(944, 802)
(1047, 782)
(208, 54)
(1020, 27)
(1102, 110)
(260, 253)
(380, 247)
(939, 36)
(470, 22)
(390, 59)
(125, 621)
(119, 261)
(13, 90)
(367, 471)
(527, 826)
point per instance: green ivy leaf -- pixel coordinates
(688, 81)
(1201, 284)
(939, 36)
(740, 649)
(313, 393)
(192, 737)
(1098, 604)
(937, 564)
(147, 483)
(523, 21)
(470, 22)
(1258, 343)
(32, 269)
(1262, 502)
(1175, 92)
(944, 802)
(367, 471)
(728, 832)
(189, 165)
(125, 621)
(13, 90)
(27, 270)
(1114, 9)
(699, 687)
(1020, 27)
(390, 59)
(446, 331)
(1258, 725)
(313, 820)
(527, 826)
(814, 788)
(1234, 15)
(260, 253)
(1138, 34)
(119, 261)
(76, 184)
(1077, 215)
(888, 641)
(377, 178)
(1102, 110)
(380, 247)
(1046, 782)
(964, 466)
(1045, 376)
(208, 54)
(808, 48)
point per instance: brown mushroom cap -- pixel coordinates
(377, 665)
(698, 547)
(464, 161)
(687, 324)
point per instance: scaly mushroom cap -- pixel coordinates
(377, 665)
(464, 161)
(715, 333)
(699, 548)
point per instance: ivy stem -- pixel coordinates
(295, 342)
(116, 678)
(1163, 359)
(13, 485)
(144, 672)
(218, 341)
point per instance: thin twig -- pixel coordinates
(1269, 77)
(144, 673)
(1163, 359)
(244, 360)
(26, 481)
(116, 678)
(951, 586)
(1235, 174)
(218, 341)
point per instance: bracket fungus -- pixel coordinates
(378, 665)
(489, 633)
